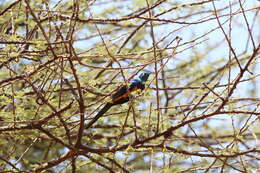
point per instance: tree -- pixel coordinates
(62, 60)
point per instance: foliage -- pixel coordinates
(62, 60)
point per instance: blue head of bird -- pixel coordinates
(144, 76)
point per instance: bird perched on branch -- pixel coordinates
(122, 96)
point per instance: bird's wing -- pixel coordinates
(120, 92)
(123, 94)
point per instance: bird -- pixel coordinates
(122, 95)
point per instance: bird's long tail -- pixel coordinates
(100, 113)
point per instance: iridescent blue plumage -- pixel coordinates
(122, 96)
(143, 77)
(137, 83)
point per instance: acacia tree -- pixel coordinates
(62, 60)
